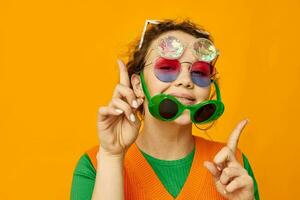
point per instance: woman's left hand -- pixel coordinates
(232, 180)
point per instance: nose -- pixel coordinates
(184, 77)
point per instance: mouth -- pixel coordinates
(185, 99)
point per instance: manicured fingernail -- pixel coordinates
(219, 168)
(132, 117)
(119, 111)
(134, 104)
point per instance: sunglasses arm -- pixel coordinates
(147, 94)
(217, 91)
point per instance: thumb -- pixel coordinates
(212, 169)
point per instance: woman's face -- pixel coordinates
(183, 87)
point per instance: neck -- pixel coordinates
(165, 140)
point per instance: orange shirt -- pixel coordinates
(141, 182)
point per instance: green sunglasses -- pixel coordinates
(167, 108)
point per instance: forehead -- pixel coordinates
(184, 38)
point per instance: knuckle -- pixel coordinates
(236, 164)
(128, 91)
(223, 180)
(117, 88)
(114, 100)
(122, 86)
(127, 108)
(244, 179)
(227, 171)
(238, 182)
(124, 90)
(131, 92)
(229, 150)
(226, 150)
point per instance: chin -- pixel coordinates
(184, 119)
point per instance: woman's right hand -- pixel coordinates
(118, 126)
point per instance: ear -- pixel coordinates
(137, 85)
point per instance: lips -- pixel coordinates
(184, 98)
(186, 101)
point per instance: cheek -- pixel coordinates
(202, 93)
(154, 85)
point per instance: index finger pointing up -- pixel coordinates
(235, 135)
(124, 79)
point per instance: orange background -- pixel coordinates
(58, 65)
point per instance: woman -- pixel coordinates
(168, 82)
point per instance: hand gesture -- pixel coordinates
(118, 126)
(231, 179)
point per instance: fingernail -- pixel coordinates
(219, 168)
(141, 101)
(224, 192)
(134, 104)
(132, 117)
(119, 111)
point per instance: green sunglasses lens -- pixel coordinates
(205, 112)
(168, 109)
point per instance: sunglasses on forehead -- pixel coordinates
(154, 22)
